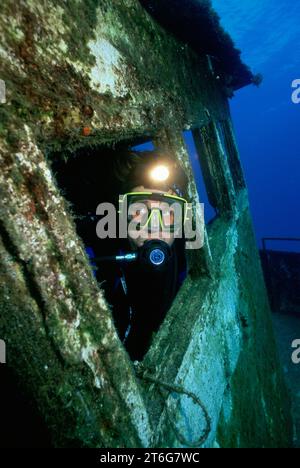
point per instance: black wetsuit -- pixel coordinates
(141, 299)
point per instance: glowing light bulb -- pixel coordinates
(160, 173)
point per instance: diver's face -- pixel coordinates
(156, 232)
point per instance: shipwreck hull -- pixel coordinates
(85, 74)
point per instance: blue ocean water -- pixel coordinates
(266, 121)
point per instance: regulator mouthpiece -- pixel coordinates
(155, 254)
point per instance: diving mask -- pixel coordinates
(154, 211)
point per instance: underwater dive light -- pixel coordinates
(160, 173)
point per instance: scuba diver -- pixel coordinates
(153, 263)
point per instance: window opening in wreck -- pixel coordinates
(140, 279)
(210, 213)
(230, 151)
(147, 146)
